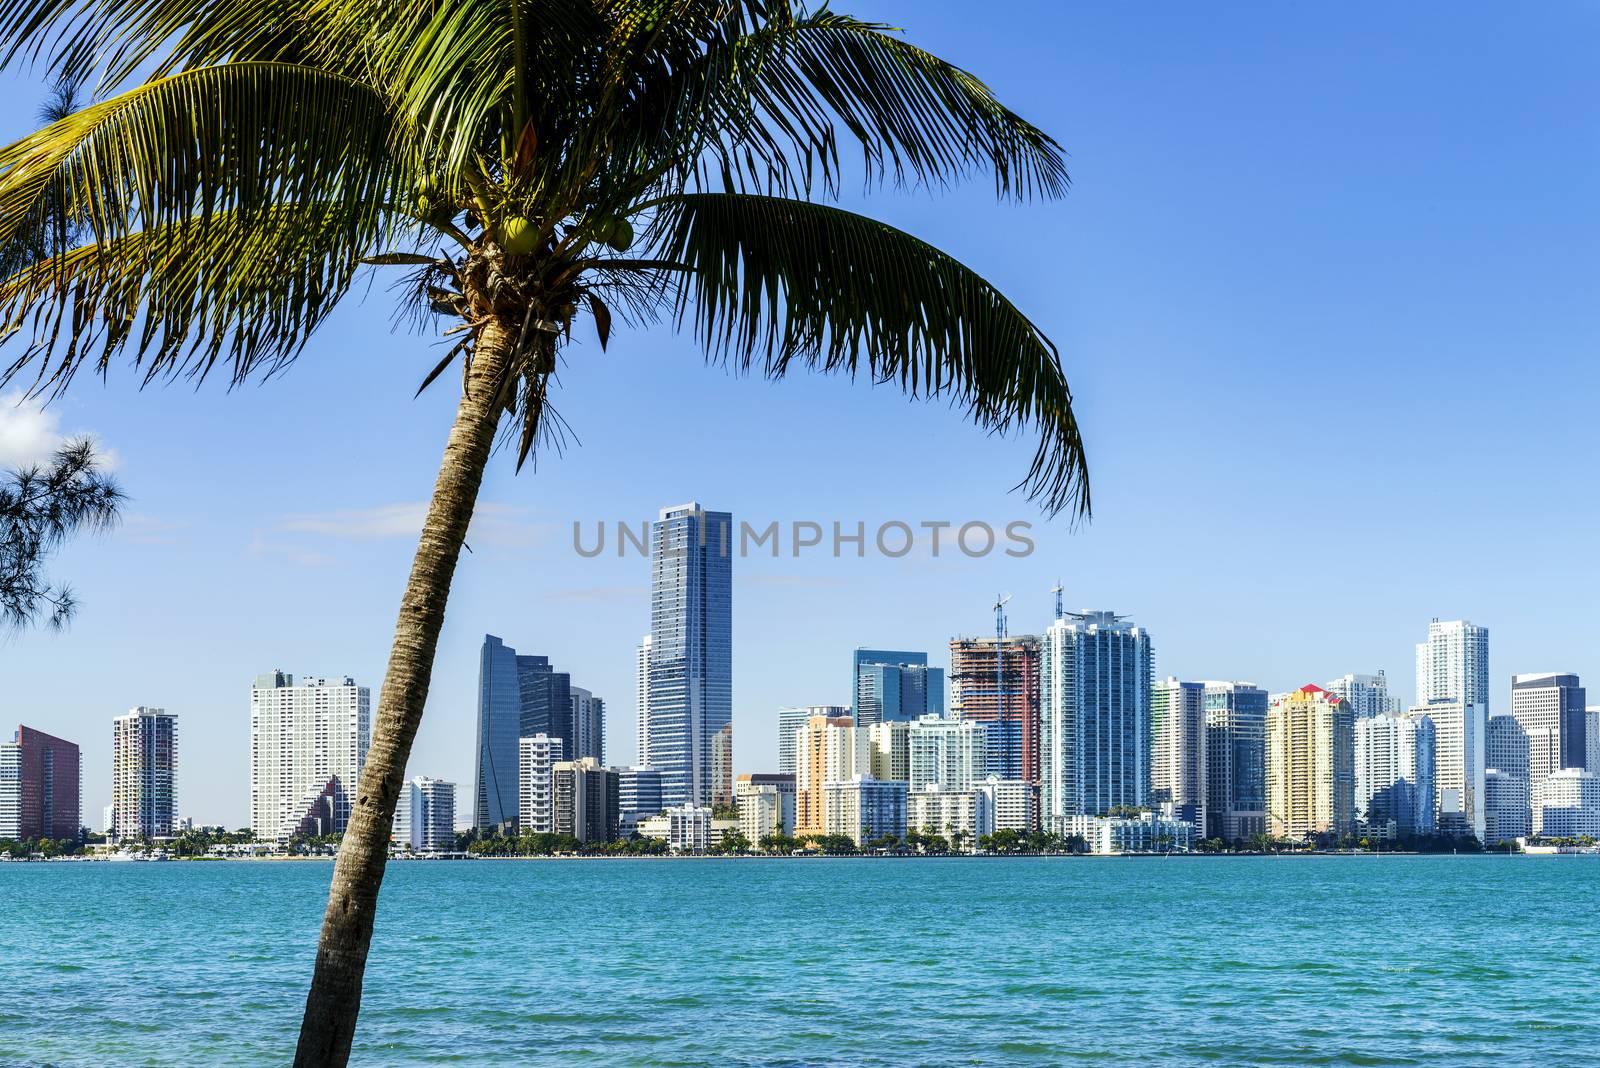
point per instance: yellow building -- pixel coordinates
(827, 749)
(1311, 777)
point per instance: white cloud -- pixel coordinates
(492, 524)
(30, 432)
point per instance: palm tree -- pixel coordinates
(531, 167)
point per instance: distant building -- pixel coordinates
(766, 804)
(585, 800)
(1001, 691)
(722, 766)
(1554, 702)
(642, 692)
(891, 685)
(952, 814)
(691, 647)
(1148, 833)
(1097, 670)
(685, 828)
(1458, 771)
(1570, 804)
(1236, 753)
(308, 743)
(864, 809)
(1591, 737)
(1367, 695)
(1394, 766)
(1505, 806)
(519, 696)
(588, 726)
(425, 816)
(950, 752)
(1006, 805)
(891, 750)
(1178, 749)
(41, 787)
(793, 719)
(638, 797)
(1310, 765)
(144, 773)
(1453, 664)
(537, 758)
(830, 749)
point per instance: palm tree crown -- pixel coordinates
(531, 163)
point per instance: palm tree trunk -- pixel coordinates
(329, 1024)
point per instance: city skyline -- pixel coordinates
(1257, 279)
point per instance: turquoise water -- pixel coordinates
(1341, 960)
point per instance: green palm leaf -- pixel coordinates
(767, 281)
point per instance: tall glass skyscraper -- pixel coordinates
(691, 647)
(1236, 755)
(518, 697)
(893, 686)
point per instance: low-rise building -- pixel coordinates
(1505, 805)
(638, 797)
(425, 816)
(685, 828)
(1147, 833)
(1570, 803)
(766, 805)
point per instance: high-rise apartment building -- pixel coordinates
(41, 787)
(951, 814)
(1458, 772)
(1236, 773)
(830, 749)
(1178, 749)
(891, 749)
(1367, 695)
(995, 681)
(1453, 664)
(308, 743)
(642, 696)
(585, 800)
(1310, 765)
(537, 757)
(864, 809)
(425, 815)
(1557, 703)
(1394, 762)
(588, 725)
(1097, 670)
(144, 773)
(793, 719)
(1006, 805)
(952, 753)
(890, 685)
(722, 766)
(766, 805)
(691, 647)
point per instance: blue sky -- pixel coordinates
(1325, 292)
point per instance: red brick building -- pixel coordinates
(46, 783)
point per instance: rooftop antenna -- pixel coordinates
(1056, 589)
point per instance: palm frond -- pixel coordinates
(245, 288)
(771, 281)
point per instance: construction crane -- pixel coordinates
(1001, 733)
(1056, 589)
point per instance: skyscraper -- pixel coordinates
(1554, 702)
(642, 692)
(1096, 672)
(1310, 765)
(791, 720)
(519, 696)
(144, 767)
(890, 685)
(829, 749)
(305, 738)
(1001, 691)
(691, 647)
(1394, 761)
(1236, 775)
(1453, 664)
(948, 752)
(41, 788)
(588, 725)
(425, 816)
(1508, 802)
(1178, 749)
(1458, 774)
(1367, 695)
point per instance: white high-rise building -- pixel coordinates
(951, 814)
(1395, 758)
(642, 664)
(1453, 664)
(1554, 702)
(144, 773)
(1459, 735)
(1005, 805)
(1507, 804)
(1367, 695)
(1570, 805)
(891, 749)
(864, 809)
(794, 719)
(425, 817)
(1178, 749)
(10, 790)
(1094, 727)
(537, 757)
(950, 752)
(304, 739)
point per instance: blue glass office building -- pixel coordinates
(891, 685)
(518, 697)
(691, 647)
